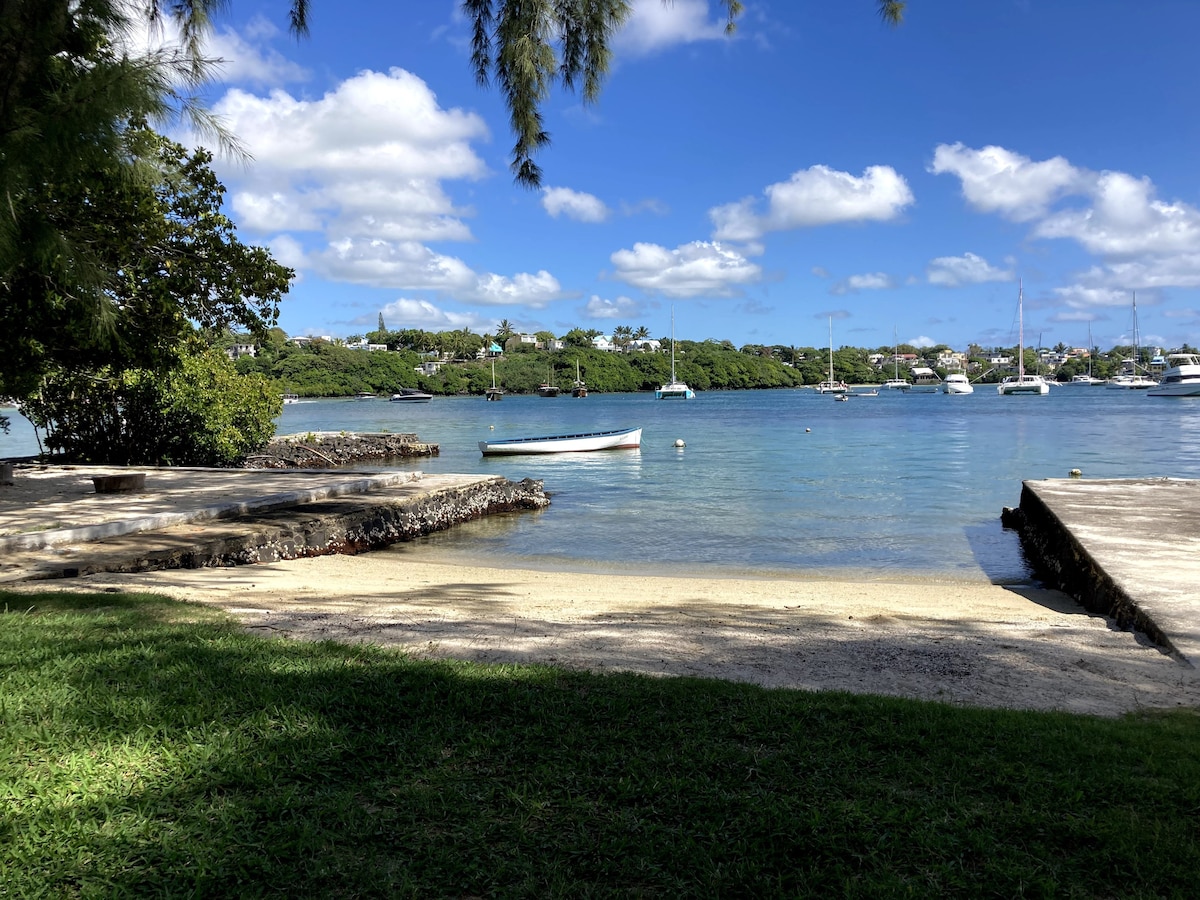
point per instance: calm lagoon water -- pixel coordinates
(781, 482)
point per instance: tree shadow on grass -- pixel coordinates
(149, 753)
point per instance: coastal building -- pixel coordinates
(603, 342)
(520, 340)
(237, 351)
(642, 346)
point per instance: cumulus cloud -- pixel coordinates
(815, 196)
(577, 205)
(872, 281)
(1126, 220)
(997, 180)
(1079, 296)
(413, 266)
(955, 271)
(699, 268)
(408, 313)
(654, 25)
(366, 159)
(620, 308)
(245, 59)
(922, 341)
(245, 62)
(1141, 242)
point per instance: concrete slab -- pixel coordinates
(1129, 548)
(53, 524)
(50, 505)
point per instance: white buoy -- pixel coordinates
(491, 428)
(807, 430)
(679, 442)
(1075, 473)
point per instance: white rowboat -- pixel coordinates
(621, 439)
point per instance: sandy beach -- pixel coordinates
(970, 644)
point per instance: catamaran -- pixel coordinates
(675, 389)
(1022, 383)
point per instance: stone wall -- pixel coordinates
(1059, 560)
(330, 449)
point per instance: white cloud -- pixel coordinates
(1085, 296)
(873, 281)
(1126, 220)
(236, 58)
(922, 341)
(270, 211)
(406, 313)
(287, 251)
(1073, 316)
(366, 159)
(575, 205)
(412, 266)
(815, 196)
(245, 62)
(621, 308)
(953, 271)
(691, 270)
(654, 25)
(997, 180)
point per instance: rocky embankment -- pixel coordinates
(330, 449)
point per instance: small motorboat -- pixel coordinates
(619, 439)
(411, 395)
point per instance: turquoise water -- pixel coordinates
(782, 482)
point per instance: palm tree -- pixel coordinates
(621, 335)
(642, 333)
(505, 329)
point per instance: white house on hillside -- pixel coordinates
(239, 350)
(603, 342)
(646, 346)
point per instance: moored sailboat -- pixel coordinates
(1132, 379)
(494, 393)
(1022, 383)
(832, 386)
(675, 389)
(579, 388)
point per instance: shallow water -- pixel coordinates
(783, 482)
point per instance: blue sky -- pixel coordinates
(816, 164)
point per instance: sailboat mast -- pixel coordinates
(672, 345)
(1020, 330)
(1136, 356)
(831, 351)
(1089, 349)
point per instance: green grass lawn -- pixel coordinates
(151, 747)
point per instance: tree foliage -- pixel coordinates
(201, 413)
(75, 178)
(170, 259)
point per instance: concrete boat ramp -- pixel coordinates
(54, 523)
(1126, 548)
